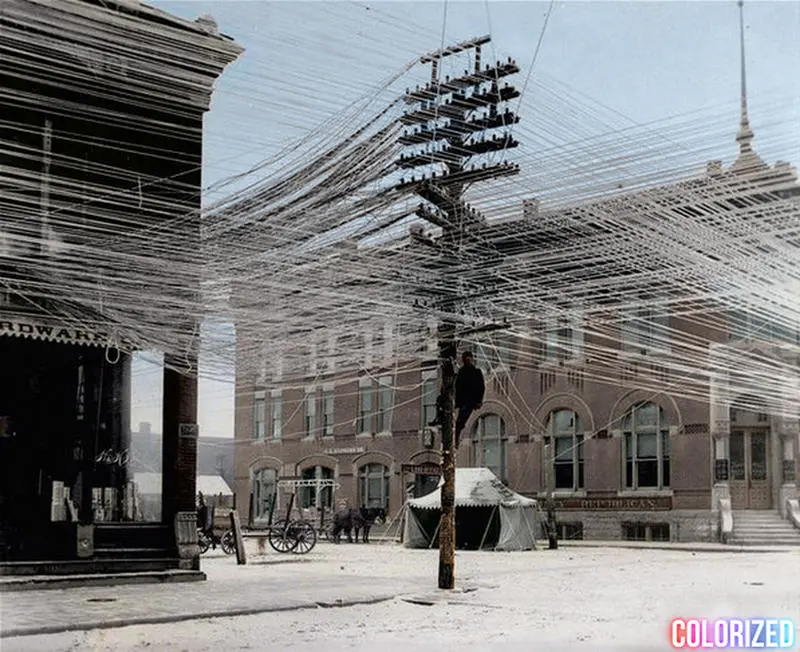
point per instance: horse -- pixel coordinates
(367, 517)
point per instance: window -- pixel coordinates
(260, 418)
(373, 486)
(308, 495)
(563, 338)
(276, 414)
(327, 413)
(365, 409)
(637, 531)
(646, 447)
(430, 390)
(265, 486)
(645, 328)
(383, 417)
(748, 326)
(425, 484)
(566, 430)
(311, 413)
(569, 531)
(489, 449)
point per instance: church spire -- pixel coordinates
(747, 159)
(745, 135)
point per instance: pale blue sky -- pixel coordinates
(637, 61)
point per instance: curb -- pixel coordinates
(177, 618)
(55, 582)
(676, 547)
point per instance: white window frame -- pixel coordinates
(310, 424)
(576, 437)
(276, 414)
(366, 394)
(260, 401)
(384, 392)
(328, 399)
(371, 471)
(563, 338)
(645, 328)
(478, 451)
(429, 392)
(630, 443)
(260, 506)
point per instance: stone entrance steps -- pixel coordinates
(763, 528)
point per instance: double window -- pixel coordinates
(566, 434)
(645, 328)
(563, 338)
(375, 403)
(646, 447)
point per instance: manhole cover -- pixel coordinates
(101, 600)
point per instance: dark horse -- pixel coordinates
(361, 520)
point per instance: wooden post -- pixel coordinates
(236, 528)
(447, 526)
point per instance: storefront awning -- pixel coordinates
(49, 329)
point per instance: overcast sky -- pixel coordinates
(640, 61)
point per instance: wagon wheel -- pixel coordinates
(305, 536)
(327, 531)
(281, 537)
(228, 543)
(203, 542)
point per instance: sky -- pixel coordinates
(633, 63)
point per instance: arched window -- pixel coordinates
(373, 486)
(489, 447)
(265, 493)
(646, 447)
(566, 431)
(308, 495)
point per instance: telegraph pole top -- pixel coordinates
(455, 49)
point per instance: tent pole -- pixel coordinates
(488, 525)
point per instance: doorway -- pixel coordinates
(750, 484)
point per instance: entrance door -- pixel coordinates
(749, 483)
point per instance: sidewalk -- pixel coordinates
(668, 545)
(267, 584)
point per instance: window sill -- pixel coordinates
(646, 354)
(384, 434)
(328, 438)
(363, 435)
(564, 493)
(309, 438)
(644, 493)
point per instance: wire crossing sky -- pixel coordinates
(317, 255)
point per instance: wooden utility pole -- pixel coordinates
(447, 128)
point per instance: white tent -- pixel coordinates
(487, 512)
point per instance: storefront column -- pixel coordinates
(180, 432)
(719, 423)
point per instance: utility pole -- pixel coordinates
(448, 126)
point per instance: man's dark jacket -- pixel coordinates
(469, 387)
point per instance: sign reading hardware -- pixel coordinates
(26, 328)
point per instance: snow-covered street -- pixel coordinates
(576, 598)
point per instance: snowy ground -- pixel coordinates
(587, 599)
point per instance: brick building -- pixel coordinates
(601, 410)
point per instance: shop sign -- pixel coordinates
(422, 469)
(54, 333)
(356, 450)
(658, 503)
(113, 457)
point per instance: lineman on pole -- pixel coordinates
(470, 388)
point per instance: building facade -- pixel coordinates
(85, 128)
(604, 414)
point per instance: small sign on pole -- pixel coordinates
(236, 528)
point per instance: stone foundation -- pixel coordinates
(684, 525)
